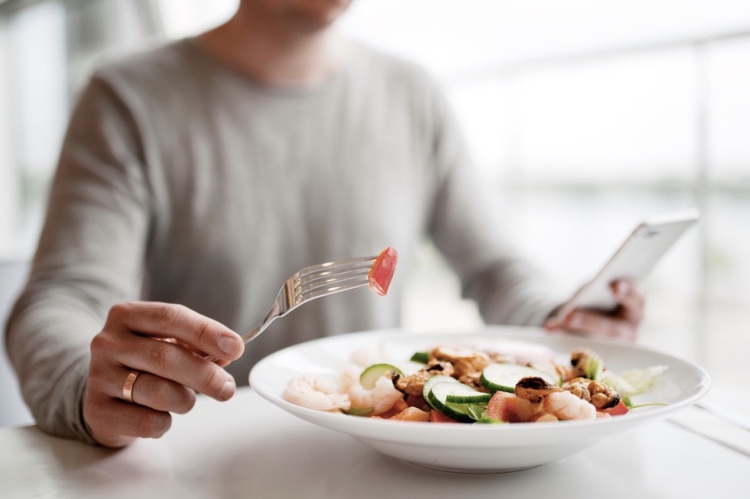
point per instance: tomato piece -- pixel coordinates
(510, 408)
(498, 406)
(617, 410)
(382, 270)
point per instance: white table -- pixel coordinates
(249, 448)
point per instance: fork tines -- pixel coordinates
(332, 277)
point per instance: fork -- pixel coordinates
(314, 282)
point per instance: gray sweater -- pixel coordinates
(182, 181)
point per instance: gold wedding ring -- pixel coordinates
(127, 389)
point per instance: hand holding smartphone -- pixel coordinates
(634, 259)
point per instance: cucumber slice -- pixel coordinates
(470, 396)
(372, 373)
(503, 377)
(438, 395)
(439, 378)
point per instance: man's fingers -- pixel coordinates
(595, 324)
(173, 362)
(631, 300)
(123, 419)
(621, 323)
(162, 394)
(165, 345)
(148, 390)
(165, 320)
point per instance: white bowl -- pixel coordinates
(477, 448)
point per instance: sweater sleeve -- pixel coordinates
(89, 256)
(466, 228)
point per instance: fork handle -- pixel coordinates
(257, 330)
(272, 314)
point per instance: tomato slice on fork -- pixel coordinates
(382, 270)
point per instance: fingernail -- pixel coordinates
(623, 288)
(227, 390)
(228, 344)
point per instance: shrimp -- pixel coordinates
(315, 393)
(565, 405)
(381, 398)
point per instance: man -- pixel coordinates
(204, 174)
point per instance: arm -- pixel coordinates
(89, 258)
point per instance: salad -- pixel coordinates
(459, 384)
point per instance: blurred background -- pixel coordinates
(585, 115)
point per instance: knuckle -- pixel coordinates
(149, 391)
(164, 357)
(168, 396)
(101, 344)
(118, 311)
(212, 382)
(166, 315)
(204, 335)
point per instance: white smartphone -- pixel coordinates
(634, 259)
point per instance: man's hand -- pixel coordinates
(622, 323)
(165, 343)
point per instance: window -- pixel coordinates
(39, 110)
(51, 47)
